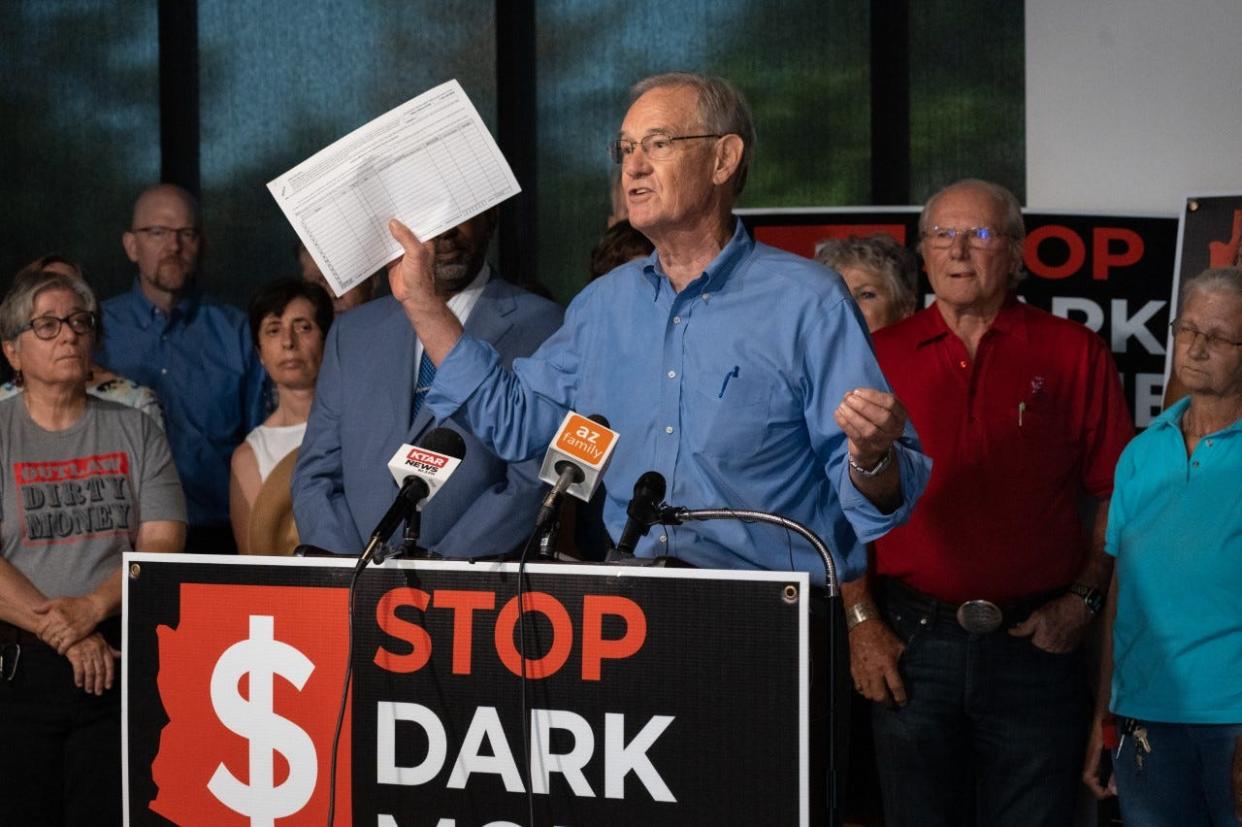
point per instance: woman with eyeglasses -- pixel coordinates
(1170, 698)
(82, 480)
(101, 382)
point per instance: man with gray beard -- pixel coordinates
(369, 401)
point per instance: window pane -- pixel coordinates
(967, 94)
(803, 66)
(81, 109)
(279, 83)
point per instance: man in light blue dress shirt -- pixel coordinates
(741, 373)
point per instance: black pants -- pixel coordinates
(60, 748)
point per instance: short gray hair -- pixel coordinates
(880, 254)
(1212, 280)
(19, 301)
(722, 108)
(1012, 224)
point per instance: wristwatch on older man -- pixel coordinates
(1093, 597)
(859, 613)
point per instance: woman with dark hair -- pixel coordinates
(100, 382)
(82, 480)
(289, 320)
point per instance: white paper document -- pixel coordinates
(430, 163)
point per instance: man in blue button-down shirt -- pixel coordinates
(741, 373)
(196, 354)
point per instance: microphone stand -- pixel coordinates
(676, 515)
(548, 535)
(836, 635)
(409, 539)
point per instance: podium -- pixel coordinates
(652, 696)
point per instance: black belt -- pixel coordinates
(10, 634)
(13, 639)
(976, 616)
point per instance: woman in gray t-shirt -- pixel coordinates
(81, 481)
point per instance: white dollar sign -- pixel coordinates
(262, 656)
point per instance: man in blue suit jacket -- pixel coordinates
(365, 408)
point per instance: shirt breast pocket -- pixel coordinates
(1041, 440)
(725, 413)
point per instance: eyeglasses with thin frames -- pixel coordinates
(1185, 334)
(981, 238)
(657, 146)
(48, 327)
(159, 234)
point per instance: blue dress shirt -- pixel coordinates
(727, 388)
(202, 364)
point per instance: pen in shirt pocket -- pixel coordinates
(727, 377)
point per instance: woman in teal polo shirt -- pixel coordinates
(1173, 656)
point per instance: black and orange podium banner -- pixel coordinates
(655, 696)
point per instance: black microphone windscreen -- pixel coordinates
(445, 441)
(600, 419)
(650, 486)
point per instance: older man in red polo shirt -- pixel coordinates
(966, 636)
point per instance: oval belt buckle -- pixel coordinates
(979, 617)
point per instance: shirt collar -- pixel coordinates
(1011, 319)
(464, 300)
(145, 313)
(718, 272)
(1171, 417)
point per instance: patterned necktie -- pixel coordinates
(426, 375)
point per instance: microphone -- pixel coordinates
(575, 461)
(420, 471)
(429, 465)
(643, 511)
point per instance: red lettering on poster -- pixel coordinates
(1104, 259)
(1073, 262)
(464, 604)
(411, 633)
(595, 647)
(562, 635)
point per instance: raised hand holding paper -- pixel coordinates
(430, 162)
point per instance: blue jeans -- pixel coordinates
(993, 733)
(1185, 781)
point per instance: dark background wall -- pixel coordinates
(856, 103)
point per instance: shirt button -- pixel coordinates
(672, 374)
(677, 320)
(1195, 463)
(163, 371)
(962, 363)
(1209, 443)
(706, 296)
(668, 429)
(663, 538)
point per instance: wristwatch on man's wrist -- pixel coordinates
(1093, 597)
(859, 613)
